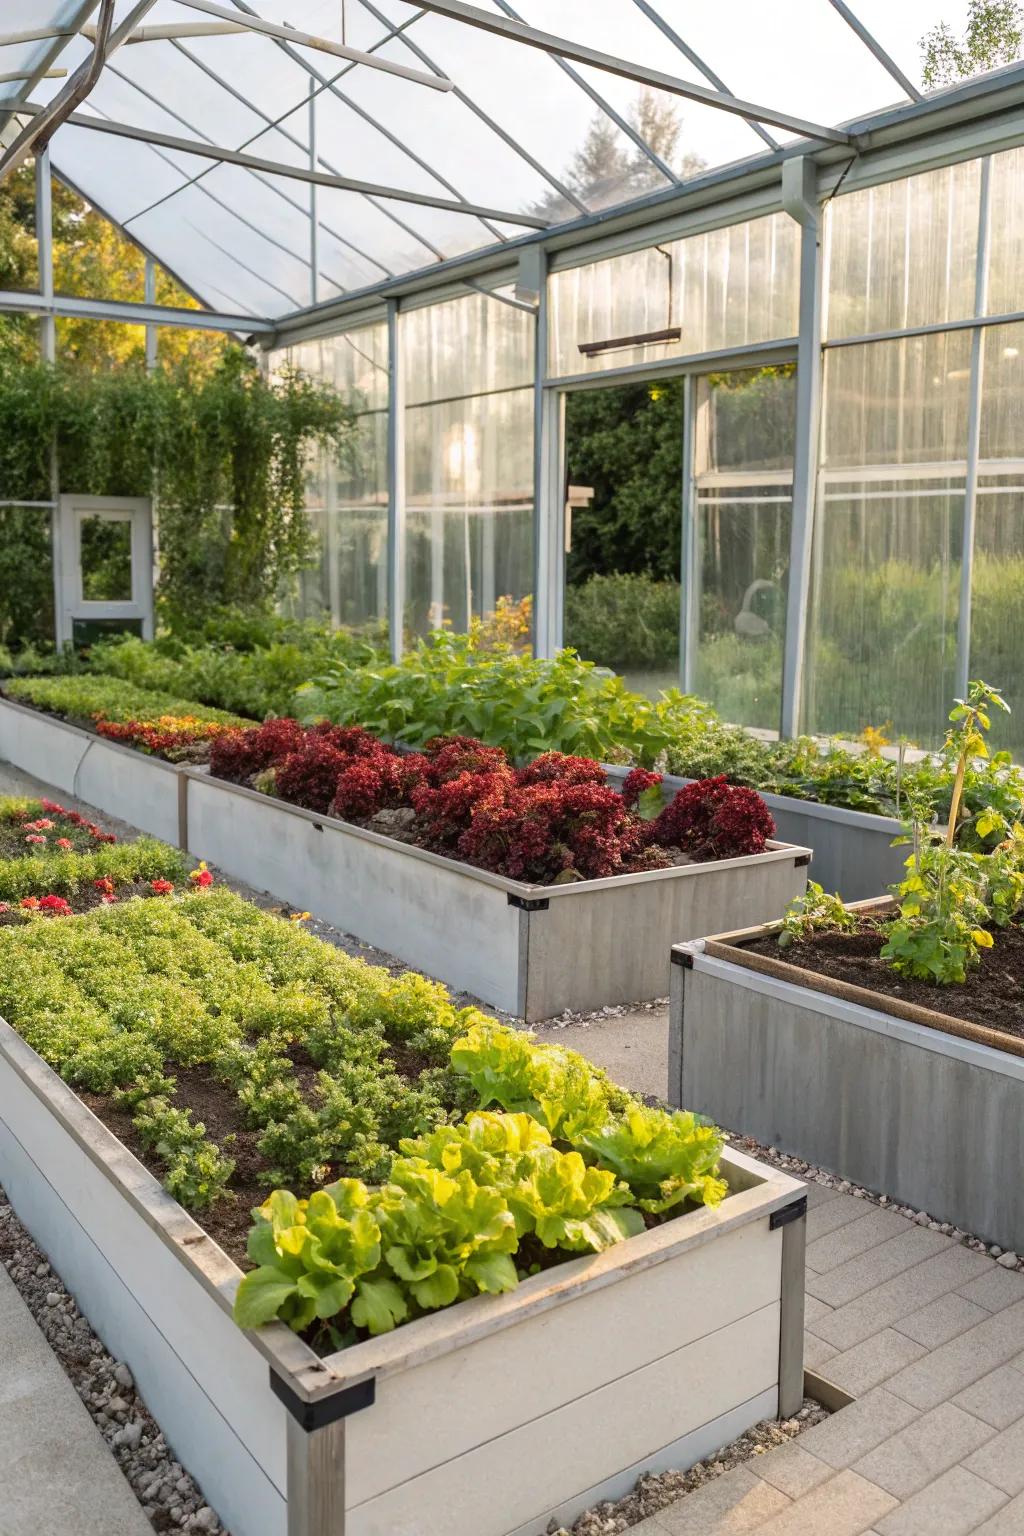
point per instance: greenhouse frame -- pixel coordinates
(859, 286)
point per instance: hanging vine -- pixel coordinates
(228, 452)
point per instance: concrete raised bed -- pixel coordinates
(484, 1420)
(531, 950)
(853, 851)
(142, 790)
(917, 1104)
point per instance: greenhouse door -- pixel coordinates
(103, 558)
(677, 534)
(740, 503)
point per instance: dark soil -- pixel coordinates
(992, 995)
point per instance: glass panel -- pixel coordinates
(1006, 259)
(888, 537)
(997, 609)
(743, 496)
(106, 559)
(904, 253)
(624, 455)
(347, 495)
(727, 288)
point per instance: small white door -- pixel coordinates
(103, 554)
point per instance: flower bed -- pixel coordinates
(232, 1051)
(553, 820)
(175, 729)
(54, 861)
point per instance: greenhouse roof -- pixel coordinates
(272, 169)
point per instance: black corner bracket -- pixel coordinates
(800, 860)
(326, 1410)
(682, 957)
(788, 1213)
(529, 903)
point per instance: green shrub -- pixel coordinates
(84, 697)
(624, 621)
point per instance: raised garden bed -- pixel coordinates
(595, 1352)
(822, 1051)
(853, 852)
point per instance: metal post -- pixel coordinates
(151, 330)
(688, 574)
(44, 241)
(800, 201)
(314, 225)
(533, 278)
(963, 633)
(396, 485)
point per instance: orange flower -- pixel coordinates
(106, 885)
(299, 917)
(161, 887)
(30, 903)
(64, 842)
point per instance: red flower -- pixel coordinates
(56, 810)
(106, 885)
(34, 838)
(30, 903)
(108, 900)
(55, 906)
(65, 843)
(5, 906)
(200, 877)
(161, 887)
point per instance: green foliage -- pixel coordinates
(227, 450)
(84, 697)
(993, 36)
(447, 686)
(258, 680)
(195, 1171)
(624, 621)
(663, 1158)
(965, 744)
(50, 872)
(940, 929)
(814, 912)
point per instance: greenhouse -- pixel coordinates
(511, 767)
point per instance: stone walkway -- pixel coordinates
(925, 1334)
(57, 1477)
(928, 1337)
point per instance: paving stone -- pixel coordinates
(733, 1504)
(943, 1319)
(823, 1219)
(816, 1352)
(902, 1296)
(1001, 1460)
(793, 1470)
(873, 1361)
(995, 1290)
(940, 1375)
(953, 1505)
(911, 1246)
(844, 1506)
(814, 1311)
(998, 1398)
(821, 1194)
(1009, 1521)
(917, 1455)
(846, 1436)
(871, 1227)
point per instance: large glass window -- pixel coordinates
(347, 499)
(743, 501)
(1006, 238)
(888, 538)
(726, 288)
(903, 254)
(997, 606)
(468, 369)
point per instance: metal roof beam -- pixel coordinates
(320, 44)
(871, 42)
(563, 47)
(295, 172)
(69, 308)
(698, 63)
(61, 39)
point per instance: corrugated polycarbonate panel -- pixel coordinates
(523, 133)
